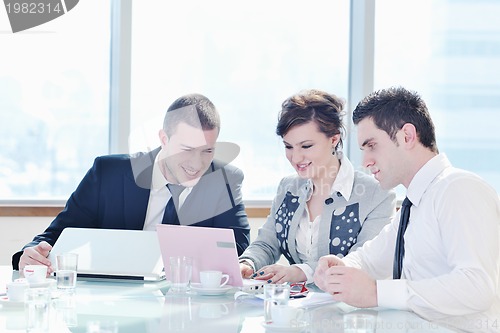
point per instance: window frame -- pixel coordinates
(360, 83)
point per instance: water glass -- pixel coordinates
(67, 266)
(274, 294)
(37, 308)
(180, 273)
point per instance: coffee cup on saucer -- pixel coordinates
(15, 290)
(285, 315)
(35, 273)
(213, 279)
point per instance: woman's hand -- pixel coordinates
(280, 274)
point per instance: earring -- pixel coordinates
(333, 151)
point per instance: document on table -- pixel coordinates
(311, 300)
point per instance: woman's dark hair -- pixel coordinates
(322, 108)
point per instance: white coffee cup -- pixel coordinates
(285, 315)
(212, 279)
(35, 273)
(15, 290)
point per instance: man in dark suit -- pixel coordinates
(138, 191)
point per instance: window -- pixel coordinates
(449, 52)
(247, 58)
(54, 83)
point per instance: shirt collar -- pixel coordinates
(158, 180)
(343, 182)
(345, 178)
(425, 176)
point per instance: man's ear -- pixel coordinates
(410, 136)
(163, 137)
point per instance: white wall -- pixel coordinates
(17, 231)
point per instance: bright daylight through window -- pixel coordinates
(55, 80)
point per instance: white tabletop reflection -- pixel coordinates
(134, 308)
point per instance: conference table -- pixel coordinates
(125, 307)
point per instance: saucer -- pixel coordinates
(5, 302)
(210, 291)
(297, 326)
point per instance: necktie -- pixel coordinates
(400, 242)
(170, 215)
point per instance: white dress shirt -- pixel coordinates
(451, 267)
(308, 232)
(159, 196)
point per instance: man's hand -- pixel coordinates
(36, 255)
(346, 284)
(280, 274)
(324, 263)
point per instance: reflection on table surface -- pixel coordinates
(133, 307)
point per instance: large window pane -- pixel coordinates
(54, 83)
(449, 51)
(247, 58)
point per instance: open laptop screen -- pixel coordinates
(112, 253)
(209, 248)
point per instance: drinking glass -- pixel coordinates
(67, 266)
(180, 273)
(37, 307)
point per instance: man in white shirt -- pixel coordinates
(451, 248)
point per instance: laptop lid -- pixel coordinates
(112, 253)
(209, 248)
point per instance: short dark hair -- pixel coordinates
(206, 114)
(391, 108)
(312, 105)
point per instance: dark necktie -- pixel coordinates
(170, 215)
(400, 242)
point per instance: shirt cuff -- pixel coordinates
(392, 294)
(308, 271)
(248, 262)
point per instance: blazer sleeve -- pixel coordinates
(236, 217)
(383, 209)
(265, 250)
(80, 211)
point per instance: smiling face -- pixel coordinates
(187, 153)
(310, 151)
(385, 158)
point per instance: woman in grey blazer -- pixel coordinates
(327, 207)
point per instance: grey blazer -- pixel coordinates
(344, 225)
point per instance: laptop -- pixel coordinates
(209, 248)
(128, 255)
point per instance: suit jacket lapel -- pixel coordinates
(294, 226)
